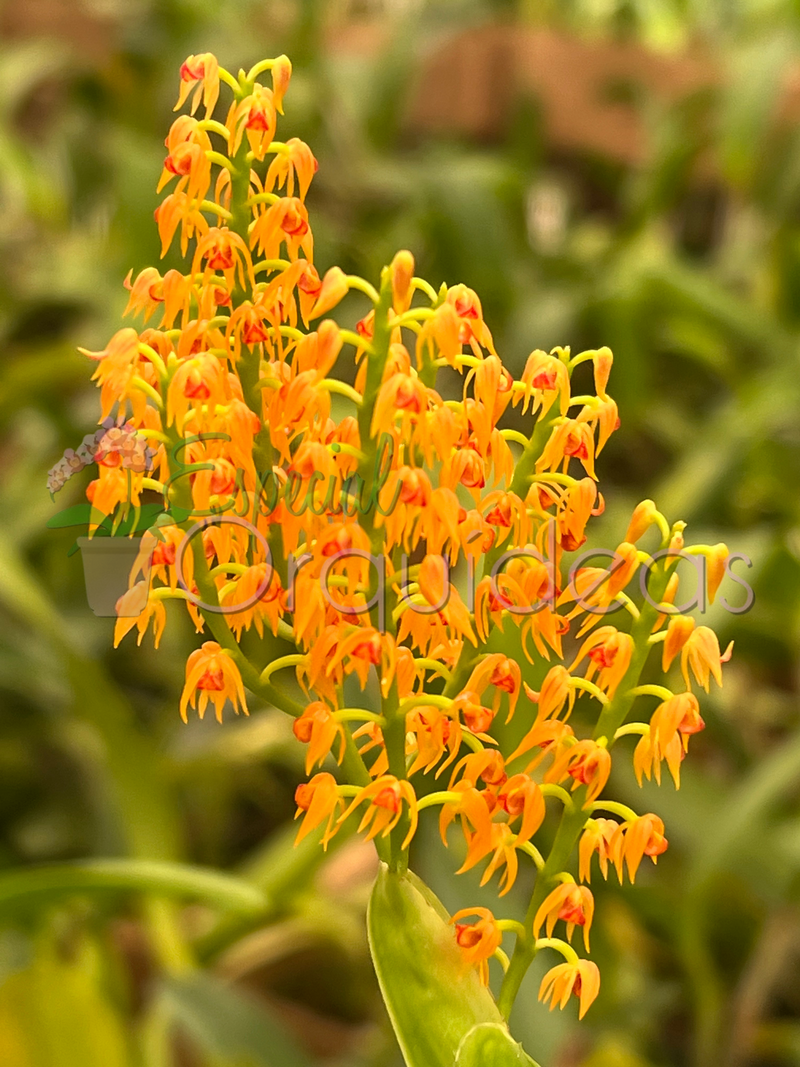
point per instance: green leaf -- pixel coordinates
(77, 515)
(227, 1023)
(162, 879)
(434, 1001)
(488, 1045)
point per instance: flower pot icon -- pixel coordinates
(107, 566)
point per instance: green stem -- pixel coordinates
(355, 771)
(524, 472)
(394, 736)
(569, 830)
(376, 361)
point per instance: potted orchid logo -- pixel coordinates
(112, 545)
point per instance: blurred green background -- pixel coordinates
(620, 172)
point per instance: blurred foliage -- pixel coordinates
(688, 266)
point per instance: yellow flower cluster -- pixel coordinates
(320, 487)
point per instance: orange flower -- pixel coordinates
(318, 729)
(479, 940)
(385, 795)
(467, 468)
(404, 395)
(259, 589)
(433, 734)
(501, 842)
(679, 630)
(284, 222)
(549, 735)
(472, 809)
(503, 673)
(320, 800)
(578, 506)
(521, 797)
(179, 209)
(472, 330)
(597, 587)
(570, 903)
(546, 379)
(649, 755)
(187, 144)
(147, 292)
(596, 838)
(364, 646)
(603, 414)
(609, 653)
(702, 657)
(114, 486)
(294, 160)
(556, 694)
(492, 385)
(211, 672)
(486, 766)
(581, 979)
(135, 608)
(634, 840)
(477, 718)
(117, 364)
(224, 250)
(680, 715)
(196, 382)
(374, 735)
(254, 116)
(201, 71)
(569, 439)
(587, 762)
(440, 335)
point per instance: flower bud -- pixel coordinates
(281, 76)
(402, 274)
(717, 558)
(334, 288)
(644, 515)
(678, 633)
(602, 369)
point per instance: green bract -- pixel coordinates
(442, 1015)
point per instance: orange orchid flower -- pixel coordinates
(212, 674)
(200, 73)
(319, 800)
(499, 841)
(570, 903)
(581, 979)
(701, 657)
(136, 608)
(386, 796)
(318, 729)
(587, 762)
(679, 630)
(294, 161)
(632, 841)
(521, 797)
(479, 940)
(597, 838)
